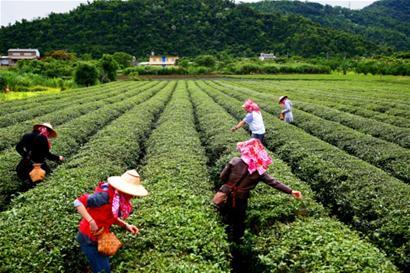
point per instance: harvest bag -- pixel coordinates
(37, 174)
(281, 116)
(108, 243)
(220, 199)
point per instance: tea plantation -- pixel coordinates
(347, 152)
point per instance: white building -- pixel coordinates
(16, 54)
(267, 56)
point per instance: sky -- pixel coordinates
(16, 10)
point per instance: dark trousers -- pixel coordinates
(261, 137)
(24, 168)
(235, 217)
(99, 263)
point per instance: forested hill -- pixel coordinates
(184, 27)
(385, 22)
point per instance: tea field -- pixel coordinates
(348, 151)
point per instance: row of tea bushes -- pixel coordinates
(398, 135)
(73, 135)
(11, 134)
(358, 193)
(335, 103)
(38, 232)
(215, 123)
(370, 97)
(385, 155)
(275, 219)
(327, 246)
(42, 108)
(394, 134)
(179, 230)
(32, 102)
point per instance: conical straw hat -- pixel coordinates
(49, 127)
(129, 183)
(282, 98)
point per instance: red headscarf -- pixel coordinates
(121, 205)
(45, 132)
(254, 155)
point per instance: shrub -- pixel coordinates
(359, 194)
(123, 59)
(49, 244)
(206, 60)
(61, 55)
(270, 69)
(93, 115)
(108, 68)
(3, 83)
(86, 74)
(385, 155)
(274, 219)
(181, 231)
(155, 70)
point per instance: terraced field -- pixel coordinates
(348, 152)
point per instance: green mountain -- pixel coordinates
(183, 27)
(385, 22)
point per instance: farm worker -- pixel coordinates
(286, 114)
(109, 204)
(240, 176)
(254, 119)
(34, 148)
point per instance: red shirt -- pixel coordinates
(101, 213)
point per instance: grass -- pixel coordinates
(22, 95)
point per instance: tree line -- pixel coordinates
(183, 27)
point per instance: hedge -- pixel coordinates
(38, 232)
(271, 212)
(317, 245)
(180, 231)
(358, 193)
(42, 108)
(337, 103)
(385, 155)
(151, 70)
(28, 103)
(72, 136)
(391, 99)
(375, 128)
(11, 134)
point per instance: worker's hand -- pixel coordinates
(93, 226)
(233, 129)
(131, 228)
(297, 195)
(61, 158)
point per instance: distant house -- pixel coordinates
(267, 56)
(162, 60)
(16, 54)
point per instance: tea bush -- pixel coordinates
(11, 134)
(387, 156)
(38, 231)
(358, 193)
(72, 136)
(271, 213)
(180, 232)
(46, 107)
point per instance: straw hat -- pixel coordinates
(282, 98)
(129, 183)
(49, 127)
